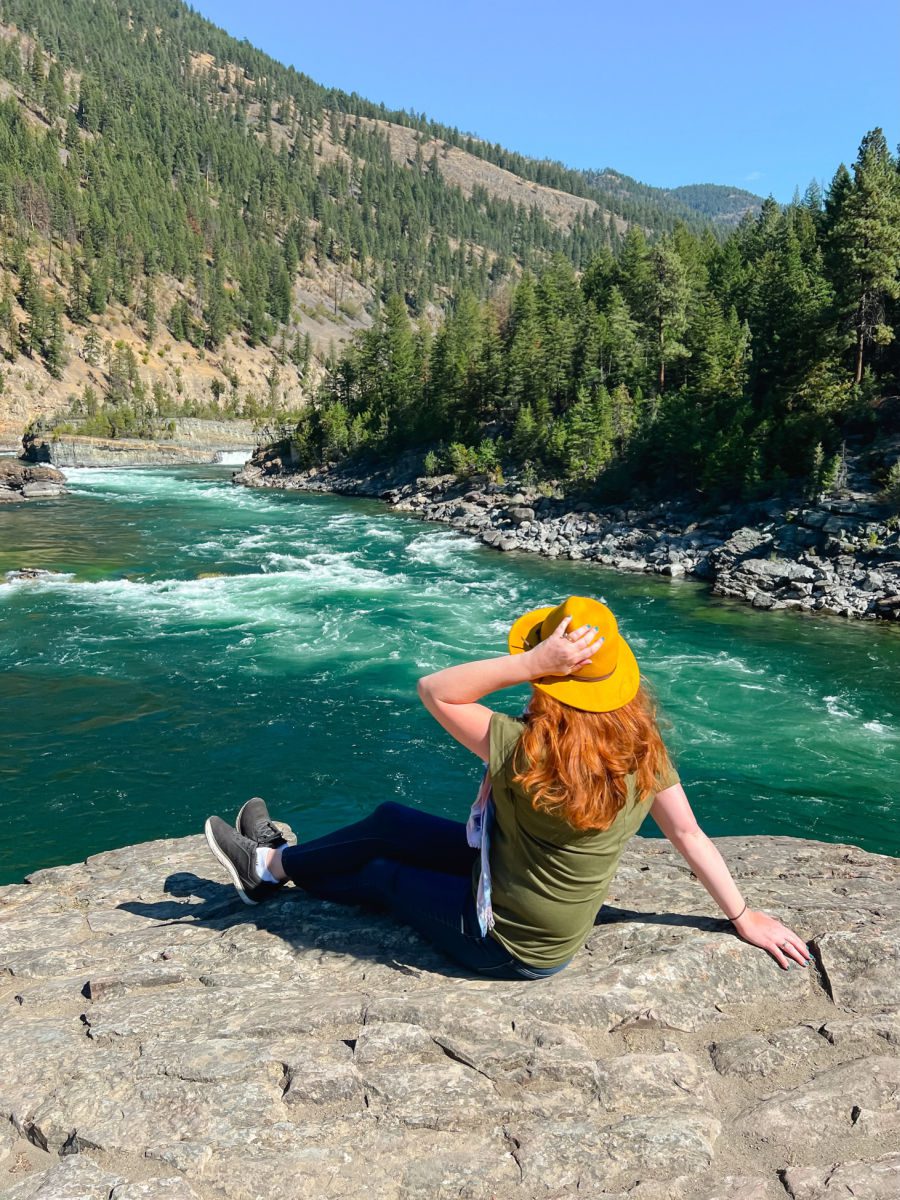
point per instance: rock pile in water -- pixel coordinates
(22, 481)
(163, 1040)
(840, 557)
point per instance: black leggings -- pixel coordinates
(417, 867)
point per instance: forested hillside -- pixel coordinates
(685, 367)
(186, 223)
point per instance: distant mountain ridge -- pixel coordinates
(721, 203)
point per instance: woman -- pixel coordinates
(570, 783)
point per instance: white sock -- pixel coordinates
(264, 872)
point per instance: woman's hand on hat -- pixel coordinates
(565, 651)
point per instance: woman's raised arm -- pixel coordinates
(451, 695)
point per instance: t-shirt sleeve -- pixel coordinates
(666, 776)
(504, 733)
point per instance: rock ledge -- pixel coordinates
(163, 1040)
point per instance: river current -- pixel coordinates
(206, 643)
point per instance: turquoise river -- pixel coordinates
(205, 643)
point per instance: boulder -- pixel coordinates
(771, 571)
(20, 480)
(41, 490)
(876, 1180)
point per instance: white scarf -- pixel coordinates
(478, 833)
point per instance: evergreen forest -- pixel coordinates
(693, 341)
(683, 366)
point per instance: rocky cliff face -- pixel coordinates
(193, 441)
(161, 1039)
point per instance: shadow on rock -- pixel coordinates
(609, 914)
(299, 919)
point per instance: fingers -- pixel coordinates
(790, 949)
(580, 644)
(584, 636)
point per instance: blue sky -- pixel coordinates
(766, 96)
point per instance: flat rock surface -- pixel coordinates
(161, 1039)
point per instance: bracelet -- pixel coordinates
(741, 913)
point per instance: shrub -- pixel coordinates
(890, 493)
(486, 457)
(462, 460)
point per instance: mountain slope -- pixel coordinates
(229, 221)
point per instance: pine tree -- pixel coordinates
(78, 294)
(54, 352)
(587, 436)
(524, 436)
(668, 297)
(397, 388)
(215, 315)
(456, 380)
(9, 328)
(179, 320)
(635, 273)
(98, 289)
(148, 311)
(864, 233)
(34, 302)
(623, 416)
(619, 341)
(525, 382)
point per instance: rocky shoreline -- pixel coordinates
(162, 1039)
(840, 556)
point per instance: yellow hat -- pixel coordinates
(610, 680)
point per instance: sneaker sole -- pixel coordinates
(227, 864)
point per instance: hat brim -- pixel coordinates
(601, 695)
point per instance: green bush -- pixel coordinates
(460, 459)
(890, 493)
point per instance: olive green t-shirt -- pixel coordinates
(548, 879)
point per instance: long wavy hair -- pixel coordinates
(576, 762)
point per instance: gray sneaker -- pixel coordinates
(253, 822)
(237, 854)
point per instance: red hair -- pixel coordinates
(577, 761)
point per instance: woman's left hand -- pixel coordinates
(562, 653)
(769, 934)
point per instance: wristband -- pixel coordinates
(740, 914)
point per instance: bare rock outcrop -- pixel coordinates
(162, 1040)
(188, 440)
(22, 481)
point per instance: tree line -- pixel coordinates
(682, 365)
